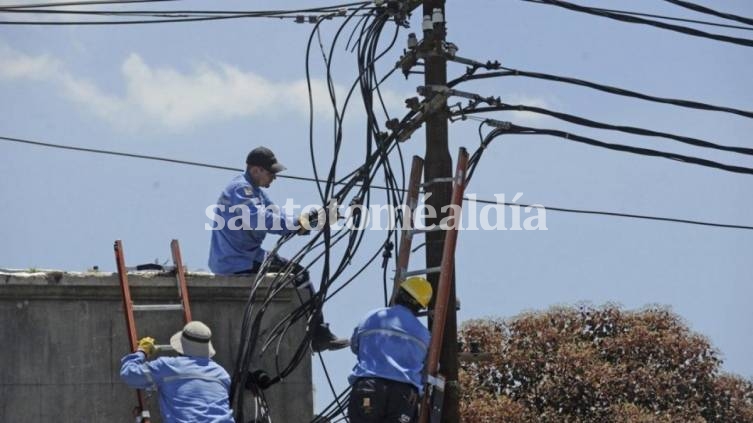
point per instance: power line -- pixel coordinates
(633, 19)
(81, 3)
(141, 156)
(708, 11)
(615, 214)
(302, 178)
(671, 18)
(600, 87)
(523, 130)
(600, 125)
(177, 16)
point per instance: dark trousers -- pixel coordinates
(277, 264)
(375, 400)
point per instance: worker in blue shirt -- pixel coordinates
(192, 387)
(391, 345)
(243, 217)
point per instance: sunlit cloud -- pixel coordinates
(14, 65)
(176, 100)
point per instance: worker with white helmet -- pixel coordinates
(192, 387)
(391, 345)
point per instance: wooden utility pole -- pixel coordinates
(438, 174)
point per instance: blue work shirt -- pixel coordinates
(391, 343)
(191, 389)
(237, 234)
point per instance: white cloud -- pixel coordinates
(176, 100)
(14, 65)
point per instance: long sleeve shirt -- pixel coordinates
(242, 218)
(191, 389)
(391, 343)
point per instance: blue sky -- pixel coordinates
(210, 92)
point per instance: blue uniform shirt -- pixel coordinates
(391, 343)
(238, 233)
(191, 389)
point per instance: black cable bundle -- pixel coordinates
(356, 189)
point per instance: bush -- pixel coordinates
(589, 364)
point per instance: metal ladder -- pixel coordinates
(431, 407)
(129, 307)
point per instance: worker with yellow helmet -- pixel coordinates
(391, 345)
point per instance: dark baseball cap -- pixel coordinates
(264, 157)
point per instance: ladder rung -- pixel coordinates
(164, 348)
(422, 271)
(157, 307)
(437, 180)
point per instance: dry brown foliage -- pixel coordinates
(597, 364)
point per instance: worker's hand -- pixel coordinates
(146, 345)
(314, 218)
(304, 224)
(310, 220)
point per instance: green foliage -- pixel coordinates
(589, 364)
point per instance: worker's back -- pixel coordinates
(391, 343)
(190, 389)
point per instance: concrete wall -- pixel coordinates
(63, 336)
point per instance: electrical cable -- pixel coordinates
(600, 125)
(361, 178)
(635, 150)
(331, 385)
(599, 87)
(300, 178)
(330, 11)
(156, 158)
(327, 415)
(81, 3)
(614, 214)
(670, 18)
(634, 19)
(709, 11)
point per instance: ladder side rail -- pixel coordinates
(126, 295)
(180, 275)
(406, 235)
(130, 320)
(445, 281)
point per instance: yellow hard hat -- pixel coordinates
(418, 288)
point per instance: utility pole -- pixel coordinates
(438, 175)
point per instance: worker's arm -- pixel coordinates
(354, 341)
(256, 215)
(136, 372)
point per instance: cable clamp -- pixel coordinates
(437, 181)
(498, 124)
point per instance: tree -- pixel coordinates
(596, 364)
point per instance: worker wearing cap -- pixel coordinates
(192, 387)
(235, 250)
(391, 345)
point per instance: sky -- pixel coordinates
(211, 91)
